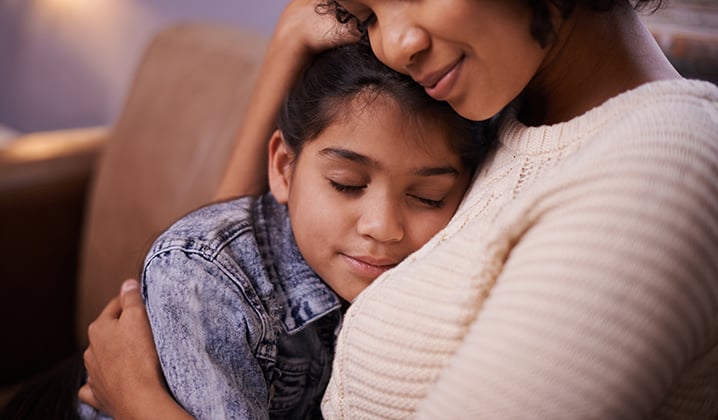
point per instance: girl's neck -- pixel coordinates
(596, 56)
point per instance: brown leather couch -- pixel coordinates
(79, 208)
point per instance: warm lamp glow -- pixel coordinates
(65, 4)
(49, 144)
(69, 8)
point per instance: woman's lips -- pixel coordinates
(441, 89)
(367, 266)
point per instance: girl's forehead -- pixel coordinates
(370, 107)
(386, 121)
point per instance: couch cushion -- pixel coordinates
(166, 154)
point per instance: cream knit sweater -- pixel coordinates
(579, 279)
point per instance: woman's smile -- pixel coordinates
(440, 85)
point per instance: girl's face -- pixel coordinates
(478, 55)
(367, 192)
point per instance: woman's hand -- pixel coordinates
(309, 25)
(124, 375)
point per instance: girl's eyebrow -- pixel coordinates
(437, 170)
(339, 153)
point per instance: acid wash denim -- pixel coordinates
(244, 328)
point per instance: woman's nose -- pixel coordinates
(402, 42)
(382, 222)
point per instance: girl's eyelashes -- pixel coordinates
(343, 188)
(353, 189)
(437, 204)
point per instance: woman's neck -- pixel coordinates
(596, 56)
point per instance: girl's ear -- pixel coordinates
(280, 167)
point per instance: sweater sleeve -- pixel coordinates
(203, 329)
(609, 294)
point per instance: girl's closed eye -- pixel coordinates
(437, 204)
(434, 193)
(346, 188)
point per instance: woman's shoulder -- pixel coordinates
(662, 125)
(661, 139)
(660, 113)
(686, 106)
(667, 110)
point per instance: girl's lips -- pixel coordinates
(443, 87)
(364, 268)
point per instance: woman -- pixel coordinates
(578, 278)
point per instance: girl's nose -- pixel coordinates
(382, 222)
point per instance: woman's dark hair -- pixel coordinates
(331, 86)
(541, 26)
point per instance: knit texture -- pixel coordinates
(579, 279)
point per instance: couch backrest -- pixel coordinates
(166, 153)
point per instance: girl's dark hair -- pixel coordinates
(541, 26)
(348, 76)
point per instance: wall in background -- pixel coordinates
(68, 63)
(687, 31)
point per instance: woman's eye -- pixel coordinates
(437, 204)
(343, 188)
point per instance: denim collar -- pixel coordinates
(303, 293)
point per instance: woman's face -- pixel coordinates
(477, 55)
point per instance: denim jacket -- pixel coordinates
(244, 328)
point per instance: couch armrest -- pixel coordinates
(43, 183)
(43, 157)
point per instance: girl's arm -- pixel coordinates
(123, 370)
(301, 32)
(207, 325)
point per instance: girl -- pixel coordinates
(239, 294)
(578, 278)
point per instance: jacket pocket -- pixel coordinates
(289, 384)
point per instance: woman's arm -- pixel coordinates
(300, 34)
(123, 370)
